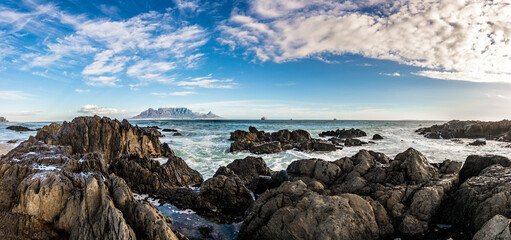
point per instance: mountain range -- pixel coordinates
(174, 113)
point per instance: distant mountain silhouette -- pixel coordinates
(2, 119)
(174, 113)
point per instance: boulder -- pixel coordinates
(109, 137)
(416, 166)
(150, 177)
(481, 197)
(227, 194)
(353, 142)
(247, 168)
(474, 164)
(169, 130)
(497, 228)
(317, 169)
(477, 143)
(377, 137)
(266, 148)
(323, 146)
(292, 211)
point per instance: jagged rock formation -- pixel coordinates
(497, 228)
(259, 142)
(375, 199)
(109, 137)
(148, 176)
(46, 192)
(3, 120)
(174, 113)
(500, 131)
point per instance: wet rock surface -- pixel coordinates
(109, 137)
(500, 131)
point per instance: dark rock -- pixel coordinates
(20, 128)
(317, 169)
(109, 137)
(177, 134)
(323, 146)
(265, 148)
(148, 176)
(377, 137)
(259, 142)
(3, 120)
(500, 131)
(416, 166)
(228, 194)
(481, 197)
(12, 141)
(494, 229)
(478, 143)
(247, 168)
(169, 130)
(474, 164)
(294, 212)
(350, 133)
(353, 142)
(46, 192)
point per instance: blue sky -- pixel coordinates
(299, 59)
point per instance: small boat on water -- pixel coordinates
(263, 118)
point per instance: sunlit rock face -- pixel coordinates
(109, 137)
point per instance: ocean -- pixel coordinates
(205, 147)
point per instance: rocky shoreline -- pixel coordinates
(499, 131)
(75, 180)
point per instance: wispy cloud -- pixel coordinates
(94, 109)
(396, 74)
(184, 93)
(109, 81)
(82, 90)
(207, 82)
(466, 41)
(14, 95)
(116, 48)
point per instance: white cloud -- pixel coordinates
(146, 70)
(467, 76)
(396, 74)
(102, 45)
(109, 81)
(207, 82)
(94, 109)
(14, 95)
(184, 93)
(466, 37)
(82, 90)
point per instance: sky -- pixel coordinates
(300, 59)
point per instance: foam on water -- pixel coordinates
(205, 144)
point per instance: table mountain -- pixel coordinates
(174, 113)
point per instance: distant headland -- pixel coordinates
(3, 120)
(173, 113)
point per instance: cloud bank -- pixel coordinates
(467, 40)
